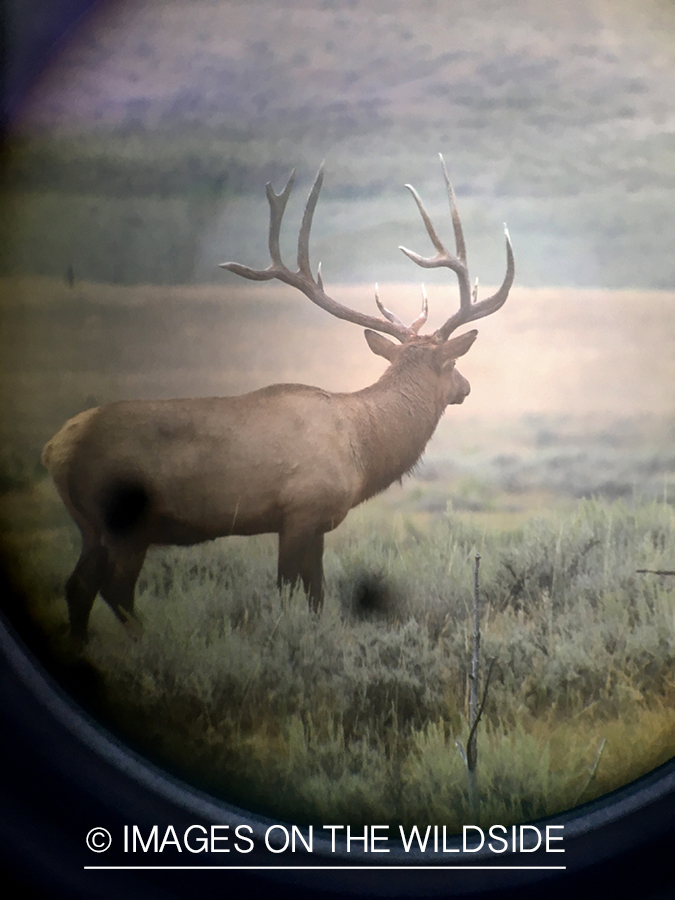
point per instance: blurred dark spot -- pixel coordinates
(372, 597)
(125, 506)
(546, 438)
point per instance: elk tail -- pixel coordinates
(58, 450)
(46, 455)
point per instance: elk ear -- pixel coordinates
(458, 346)
(380, 345)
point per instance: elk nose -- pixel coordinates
(462, 391)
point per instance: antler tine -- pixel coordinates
(490, 304)
(469, 309)
(306, 226)
(456, 223)
(387, 313)
(431, 231)
(303, 279)
(277, 204)
(421, 319)
(443, 258)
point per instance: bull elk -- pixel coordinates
(287, 459)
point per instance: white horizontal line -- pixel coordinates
(419, 868)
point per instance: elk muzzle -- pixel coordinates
(459, 390)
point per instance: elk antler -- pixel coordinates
(303, 279)
(469, 309)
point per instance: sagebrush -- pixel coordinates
(353, 714)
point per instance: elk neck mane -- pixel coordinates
(394, 419)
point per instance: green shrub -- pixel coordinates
(345, 714)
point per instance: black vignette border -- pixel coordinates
(47, 801)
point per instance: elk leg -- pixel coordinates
(312, 572)
(119, 583)
(301, 557)
(83, 585)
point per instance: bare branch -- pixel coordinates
(462, 752)
(592, 771)
(481, 706)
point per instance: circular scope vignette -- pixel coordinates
(291, 607)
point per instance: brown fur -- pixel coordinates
(289, 459)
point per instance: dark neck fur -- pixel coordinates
(396, 417)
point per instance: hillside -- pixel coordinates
(156, 115)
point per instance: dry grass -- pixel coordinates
(353, 715)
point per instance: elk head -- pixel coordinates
(439, 352)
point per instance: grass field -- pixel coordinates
(558, 469)
(355, 713)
